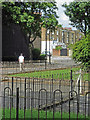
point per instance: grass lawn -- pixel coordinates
(42, 114)
(55, 74)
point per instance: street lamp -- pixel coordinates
(46, 48)
(50, 32)
(46, 45)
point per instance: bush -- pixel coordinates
(58, 48)
(35, 53)
(42, 57)
(81, 51)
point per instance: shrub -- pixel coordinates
(35, 53)
(81, 51)
(42, 57)
(58, 48)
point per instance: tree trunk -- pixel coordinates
(30, 51)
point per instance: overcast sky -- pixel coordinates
(63, 19)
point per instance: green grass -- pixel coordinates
(55, 74)
(42, 114)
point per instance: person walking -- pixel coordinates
(21, 61)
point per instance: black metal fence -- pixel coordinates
(45, 94)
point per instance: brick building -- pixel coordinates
(13, 41)
(60, 35)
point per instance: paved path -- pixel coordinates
(57, 62)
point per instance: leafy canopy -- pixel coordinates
(79, 15)
(81, 51)
(30, 16)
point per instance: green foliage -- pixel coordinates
(70, 46)
(30, 16)
(58, 48)
(81, 51)
(35, 53)
(79, 15)
(42, 57)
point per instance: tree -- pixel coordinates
(79, 15)
(30, 16)
(81, 51)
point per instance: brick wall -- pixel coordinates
(56, 52)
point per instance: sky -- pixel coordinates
(63, 19)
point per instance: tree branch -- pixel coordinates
(33, 40)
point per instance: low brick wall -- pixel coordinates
(56, 52)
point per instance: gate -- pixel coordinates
(63, 52)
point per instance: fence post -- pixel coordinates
(12, 91)
(4, 105)
(33, 94)
(24, 97)
(78, 94)
(71, 83)
(89, 97)
(17, 103)
(52, 87)
(20, 92)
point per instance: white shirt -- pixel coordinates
(21, 59)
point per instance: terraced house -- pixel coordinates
(60, 37)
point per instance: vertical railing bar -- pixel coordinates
(41, 91)
(52, 87)
(33, 94)
(31, 104)
(71, 83)
(20, 92)
(38, 103)
(46, 104)
(17, 103)
(24, 98)
(78, 94)
(35, 89)
(10, 103)
(8, 93)
(4, 106)
(29, 93)
(12, 91)
(61, 104)
(16, 82)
